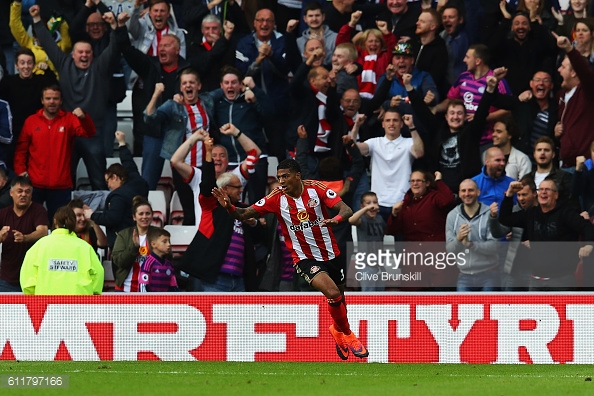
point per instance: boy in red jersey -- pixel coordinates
(300, 206)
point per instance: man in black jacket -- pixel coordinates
(552, 264)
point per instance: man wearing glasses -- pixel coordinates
(552, 265)
(214, 266)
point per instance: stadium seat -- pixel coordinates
(165, 182)
(176, 213)
(82, 177)
(157, 200)
(181, 237)
(272, 164)
(109, 279)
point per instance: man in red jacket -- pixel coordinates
(44, 149)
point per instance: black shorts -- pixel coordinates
(308, 269)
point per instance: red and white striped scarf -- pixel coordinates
(198, 151)
(368, 78)
(154, 48)
(324, 127)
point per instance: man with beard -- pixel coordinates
(535, 111)
(517, 164)
(433, 52)
(44, 149)
(529, 49)
(457, 39)
(544, 154)
(179, 119)
(492, 181)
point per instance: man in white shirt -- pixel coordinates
(391, 158)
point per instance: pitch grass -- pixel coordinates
(329, 379)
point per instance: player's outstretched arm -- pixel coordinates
(235, 212)
(344, 212)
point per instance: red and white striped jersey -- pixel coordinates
(301, 220)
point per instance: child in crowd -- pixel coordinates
(370, 235)
(157, 273)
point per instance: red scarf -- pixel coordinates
(195, 156)
(368, 78)
(324, 127)
(152, 51)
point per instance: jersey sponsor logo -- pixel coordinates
(312, 203)
(468, 97)
(330, 193)
(260, 202)
(63, 265)
(302, 215)
(305, 225)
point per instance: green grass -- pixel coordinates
(230, 378)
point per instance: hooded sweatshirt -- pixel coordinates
(483, 254)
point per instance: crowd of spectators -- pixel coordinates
(425, 116)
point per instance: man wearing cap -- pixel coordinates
(529, 48)
(403, 59)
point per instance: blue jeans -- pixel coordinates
(224, 283)
(484, 281)
(6, 287)
(152, 163)
(54, 199)
(385, 212)
(363, 187)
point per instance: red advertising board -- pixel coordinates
(411, 327)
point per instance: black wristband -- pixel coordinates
(238, 135)
(412, 129)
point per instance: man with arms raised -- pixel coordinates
(301, 209)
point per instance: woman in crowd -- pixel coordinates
(87, 229)
(61, 263)
(131, 247)
(584, 38)
(421, 217)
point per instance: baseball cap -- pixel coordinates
(403, 49)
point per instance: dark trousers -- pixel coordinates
(54, 199)
(93, 155)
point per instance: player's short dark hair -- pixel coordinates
(289, 164)
(155, 233)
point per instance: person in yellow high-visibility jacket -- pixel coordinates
(61, 263)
